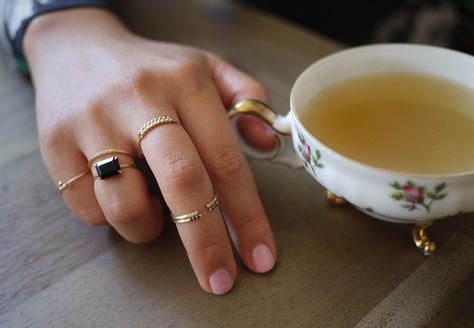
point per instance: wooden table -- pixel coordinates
(337, 267)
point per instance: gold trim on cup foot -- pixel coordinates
(421, 240)
(335, 200)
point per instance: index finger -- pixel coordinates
(232, 178)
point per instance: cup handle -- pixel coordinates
(284, 152)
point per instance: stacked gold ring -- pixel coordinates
(93, 162)
(144, 130)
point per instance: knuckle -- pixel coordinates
(123, 212)
(52, 134)
(228, 164)
(190, 74)
(182, 172)
(92, 112)
(252, 223)
(207, 249)
(139, 79)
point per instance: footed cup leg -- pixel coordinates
(334, 200)
(424, 244)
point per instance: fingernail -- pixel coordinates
(269, 131)
(263, 258)
(221, 282)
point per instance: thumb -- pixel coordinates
(233, 86)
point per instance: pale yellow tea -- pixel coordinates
(403, 122)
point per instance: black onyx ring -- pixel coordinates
(105, 152)
(109, 167)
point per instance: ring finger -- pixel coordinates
(124, 197)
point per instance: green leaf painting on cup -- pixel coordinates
(311, 159)
(414, 197)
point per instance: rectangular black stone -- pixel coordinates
(108, 167)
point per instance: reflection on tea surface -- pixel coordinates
(402, 122)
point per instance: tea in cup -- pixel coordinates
(388, 128)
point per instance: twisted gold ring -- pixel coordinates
(154, 123)
(195, 215)
(63, 185)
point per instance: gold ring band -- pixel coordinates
(154, 123)
(193, 216)
(213, 204)
(63, 185)
(110, 151)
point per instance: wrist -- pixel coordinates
(67, 29)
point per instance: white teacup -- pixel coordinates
(371, 189)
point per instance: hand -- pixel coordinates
(96, 85)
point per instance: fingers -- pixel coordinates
(256, 133)
(191, 162)
(232, 179)
(233, 86)
(129, 207)
(186, 188)
(64, 162)
(124, 198)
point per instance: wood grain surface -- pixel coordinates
(337, 267)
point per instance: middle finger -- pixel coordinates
(186, 188)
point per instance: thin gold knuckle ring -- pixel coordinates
(195, 215)
(213, 204)
(154, 123)
(64, 185)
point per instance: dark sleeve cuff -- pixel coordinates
(19, 14)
